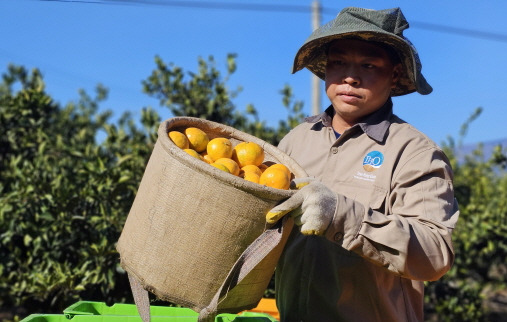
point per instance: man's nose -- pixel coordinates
(351, 76)
(351, 80)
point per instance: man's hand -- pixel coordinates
(312, 208)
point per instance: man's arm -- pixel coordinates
(414, 238)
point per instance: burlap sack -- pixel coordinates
(192, 228)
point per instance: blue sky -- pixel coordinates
(80, 43)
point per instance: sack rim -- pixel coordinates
(229, 132)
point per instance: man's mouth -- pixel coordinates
(349, 94)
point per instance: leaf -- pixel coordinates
(124, 158)
(124, 178)
(27, 239)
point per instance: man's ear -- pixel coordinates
(396, 74)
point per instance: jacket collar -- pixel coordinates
(374, 125)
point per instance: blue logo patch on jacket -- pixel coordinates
(373, 160)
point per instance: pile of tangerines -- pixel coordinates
(245, 160)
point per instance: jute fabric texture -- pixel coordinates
(196, 236)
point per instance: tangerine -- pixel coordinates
(282, 167)
(220, 166)
(230, 164)
(251, 168)
(275, 178)
(219, 148)
(251, 176)
(193, 153)
(263, 167)
(197, 138)
(206, 157)
(179, 139)
(246, 153)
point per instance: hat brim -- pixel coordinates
(312, 55)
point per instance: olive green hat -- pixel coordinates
(381, 26)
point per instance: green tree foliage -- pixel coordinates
(63, 196)
(480, 238)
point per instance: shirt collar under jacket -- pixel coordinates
(374, 125)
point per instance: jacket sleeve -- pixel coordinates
(411, 235)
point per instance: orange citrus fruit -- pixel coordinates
(193, 153)
(230, 164)
(281, 167)
(246, 153)
(179, 139)
(275, 178)
(220, 166)
(251, 176)
(219, 148)
(206, 157)
(197, 138)
(263, 167)
(251, 168)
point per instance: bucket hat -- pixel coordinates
(381, 26)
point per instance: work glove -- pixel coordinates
(312, 207)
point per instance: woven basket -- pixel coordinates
(191, 223)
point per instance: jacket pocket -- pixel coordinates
(371, 196)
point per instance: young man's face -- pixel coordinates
(359, 79)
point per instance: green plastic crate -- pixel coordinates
(91, 311)
(101, 308)
(243, 317)
(103, 318)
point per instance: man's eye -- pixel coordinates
(368, 66)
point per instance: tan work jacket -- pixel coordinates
(391, 229)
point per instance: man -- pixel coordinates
(377, 219)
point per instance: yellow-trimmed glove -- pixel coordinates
(312, 207)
